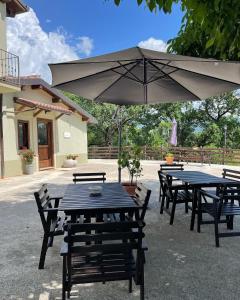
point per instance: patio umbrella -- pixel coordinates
(173, 138)
(140, 76)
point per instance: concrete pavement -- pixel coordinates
(180, 264)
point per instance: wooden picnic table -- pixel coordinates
(78, 201)
(197, 180)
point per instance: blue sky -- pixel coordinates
(111, 28)
(56, 31)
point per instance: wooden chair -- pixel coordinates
(174, 194)
(231, 174)
(170, 167)
(223, 208)
(89, 177)
(51, 222)
(141, 197)
(115, 253)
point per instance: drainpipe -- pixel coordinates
(1, 138)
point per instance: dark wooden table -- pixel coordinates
(77, 200)
(196, 180)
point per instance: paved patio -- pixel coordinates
(180, 264)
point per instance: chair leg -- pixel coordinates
(160, 194)
(142, 288)
(50, 244)
(229, 220)
(63, 294)
(64, 279)
(130, 286)
(199, 212)
(186, 207)
(162, 204)
(43, 252)
(167, 202)
(194, 204)
(173, 211)
(216, 232)
(199, 220)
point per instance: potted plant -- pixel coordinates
(131, 161)
(169, 158)
(71, 161)
(28, 157)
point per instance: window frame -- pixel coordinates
(28, 134)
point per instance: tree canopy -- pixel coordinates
(199, 123)
(209, 28)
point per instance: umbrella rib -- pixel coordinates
(139, 80)
(177, 83)
(127, 77)
(162, 76)
(182, 69)
(150, 79)
(140, 51)
(101, 72)
(115, 81)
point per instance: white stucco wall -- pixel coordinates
(72, 126)
(77, 142)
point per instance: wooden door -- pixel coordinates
(45, 143)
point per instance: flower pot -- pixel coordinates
(169, 160)
(130, 188)
(69, 163)
(28, 169)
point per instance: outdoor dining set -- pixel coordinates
(103, 226)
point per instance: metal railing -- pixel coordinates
(9, 68)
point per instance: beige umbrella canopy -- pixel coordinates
(140, 76)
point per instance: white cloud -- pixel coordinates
(36, 48)
(153, 44)
(85, 45)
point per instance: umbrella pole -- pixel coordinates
(119, 142)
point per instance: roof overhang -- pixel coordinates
(14, 7)
(42, 106)
(35, 82)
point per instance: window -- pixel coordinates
(23, 135)
(42, 133)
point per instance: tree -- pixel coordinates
(210, 28)
(213, 115)
(104, 133)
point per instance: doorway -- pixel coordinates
(45, 143)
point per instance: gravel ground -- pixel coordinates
(180, 264)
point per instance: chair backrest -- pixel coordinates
(43, 201)
(104, 238)
(171, 167)
(231, 174)
(141, 197)
(89, 177)
(229, 195)
(165, 183)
